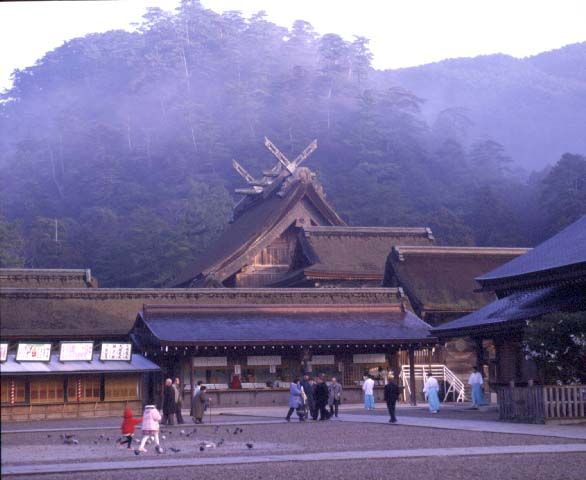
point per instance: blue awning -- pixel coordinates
(138, 364)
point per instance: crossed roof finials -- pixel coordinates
(282, 169)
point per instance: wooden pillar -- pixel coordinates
(191, 375)
(479, 353)
(413, 399)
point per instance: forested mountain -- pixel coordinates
(116, 148)
(535, 107)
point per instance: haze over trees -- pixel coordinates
(116, 148)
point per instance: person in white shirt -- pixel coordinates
(475, 381)
(368, 389)
(431, 389)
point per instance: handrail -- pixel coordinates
(456, 386)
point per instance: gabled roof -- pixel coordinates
(352, 252)
(441, 279)
(563, 255)
(512, 311)
(277, 324)
(254, 228)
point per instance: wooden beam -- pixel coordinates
(413, 399)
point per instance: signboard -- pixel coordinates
(116, 351)
(264, 360)
(273, 369)
(210, 361)
(3, 352)
(322, 360)
(369, 358)
(76, 351)
(237, 370)
(33, 352)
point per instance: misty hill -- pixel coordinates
(535, 107)
(116, 148)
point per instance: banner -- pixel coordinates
(116, 351)
(33, 352)
(210, 361)
(76, 351)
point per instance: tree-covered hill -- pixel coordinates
(535, 107)
(116, 148)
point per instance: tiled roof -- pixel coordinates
(565, 250)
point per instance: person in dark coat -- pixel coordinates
(321, 399)
(308, 390)
(392, 392)
(169, 404)
(200, 403)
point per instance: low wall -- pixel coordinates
(15, 413)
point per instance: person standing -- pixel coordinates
(475, 381)
(295, 400)
(178, 390)
(199, 405)
(321, 399)
(150, 428)
(392, 392)
(334, 397)
(431, 389)
(368, 389)
(168, 403)
(308, 390)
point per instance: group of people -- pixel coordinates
(310, 397)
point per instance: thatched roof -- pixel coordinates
(441, 279)
(347, 253)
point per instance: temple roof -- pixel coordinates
(277, 324)
(515, 309)
(441, 279)
(263, 220)
(109, 313)
(344, 252)
(563, 256)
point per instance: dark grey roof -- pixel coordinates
(565, 249)
(54, 366)
(285, 325)
(518, 307)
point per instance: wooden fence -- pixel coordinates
(538, 404)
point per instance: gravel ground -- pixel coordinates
(276, 438)
(489, 414)
(565, 466)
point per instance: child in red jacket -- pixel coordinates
(128, 425)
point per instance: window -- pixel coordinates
(47, 390)
(19, 386)
(121, 387)
(88, 388)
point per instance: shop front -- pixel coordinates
(37, 383)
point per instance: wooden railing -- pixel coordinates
(537, 404)
(564, 401)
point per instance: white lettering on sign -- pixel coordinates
(322, 360)
(369, 358)
(33, 352)
(3, 352)
(210, 361)
(76, 351)
(116, 351)
(237, 370)
(264, 360)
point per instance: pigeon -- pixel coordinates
(220, 443)
(107, 439)
(240, 430)
(176, 450)
(227, 430)
(202, 448)
(95, 442)
(136, 452)
(182, 432)
(163, 437)
(216, 429)
(249, 445)
(49, 436)
(101, 435)
(235, 432)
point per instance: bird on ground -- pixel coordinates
(216, 429)
(176, 450)
(136, 452)
(202, 448)
(249, 445)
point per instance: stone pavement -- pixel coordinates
(577, 432)
(18, 470)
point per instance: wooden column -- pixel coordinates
(413, 399)
(479, 353)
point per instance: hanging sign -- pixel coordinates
(369, 358)
(33, 352)
(116, 351)
(322, 360)
(273, 369)
(210, 361)
(3, 352)
(76, 351)
(237, 370)
(264, 360)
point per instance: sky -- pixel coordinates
(403, 33)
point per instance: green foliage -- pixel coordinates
(115, 148)
(557, 343)
(10, 245)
